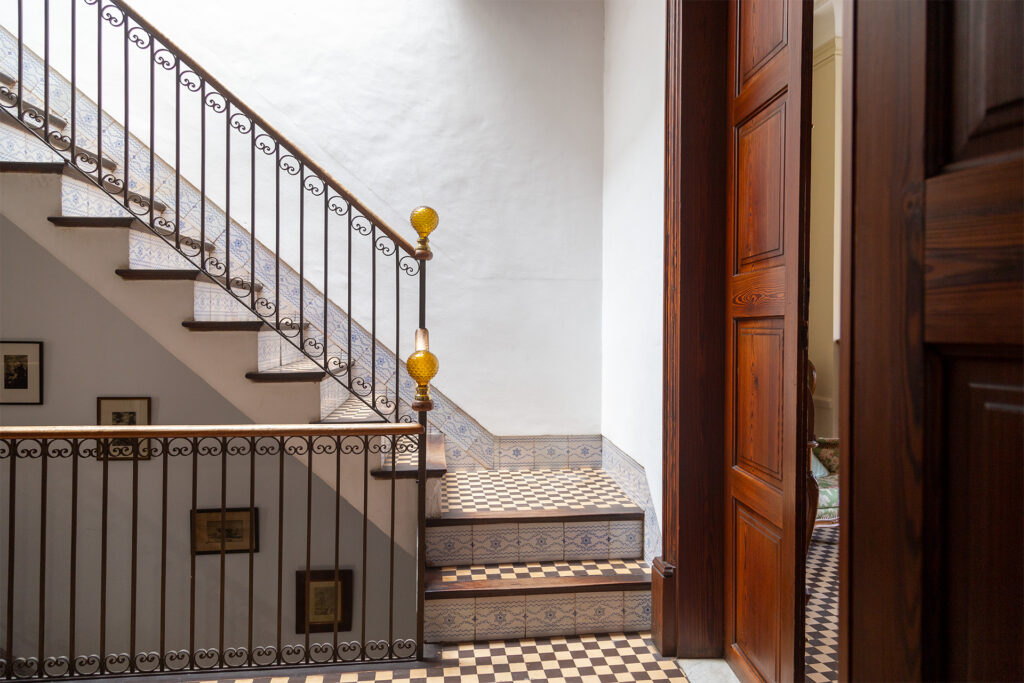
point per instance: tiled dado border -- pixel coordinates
(527, 616)
(632, 478)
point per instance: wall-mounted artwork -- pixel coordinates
(22, 373)
(328, 602)
(124, 411)
(238, 529)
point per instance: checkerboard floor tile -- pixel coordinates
(520, 490)
(611, 658)
(545, 570)
(821, 653)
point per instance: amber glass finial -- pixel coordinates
(424, 220)
(423, 367)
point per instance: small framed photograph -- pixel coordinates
(327, 602)
(237, 528)
(23, 373)
(122, 411)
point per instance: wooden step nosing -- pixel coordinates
(32, 166)
(494, 588)
(536, 517)
(173, 274)
(283, 377)
(400, 473)
(130, 222)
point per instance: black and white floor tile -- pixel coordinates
(821, 653)
(611, 658)
(545, 570)
(515, 490)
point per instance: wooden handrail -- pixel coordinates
(186, 431)
(279, 138)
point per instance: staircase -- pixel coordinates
(511, 552)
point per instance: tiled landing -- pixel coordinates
(613, 658)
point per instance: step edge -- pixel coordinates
(537, 517)
(492, 587)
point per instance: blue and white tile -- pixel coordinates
(586, 540)
(599, 612)
(551, 452)
(449, 546)
(498, 618)
(625, 539)
(495, 543)
(459, 459)
(632, 479)
(584, 451)
(636, 610)
(449, 620)
(541, 542)
(484, 452)
(516, 454)
(550, 615)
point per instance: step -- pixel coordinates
(492, 516)
(352, 411)
(56, 122)
(158, 206)
(179, 274)
(407, 464)
(32, 166)
(238, 325)
(299, 371)
(536, 599)
(123, 222)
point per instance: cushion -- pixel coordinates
(828, 491)
(827, 451)
(817, 469)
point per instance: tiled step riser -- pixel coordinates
(534, 616)
(533, 542)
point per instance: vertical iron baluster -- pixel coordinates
(348, 310)
(280, 536)
(192, 560)
(366, 484)
(326, 270)
(223, 541)
(46, 76)
(398, 323)
(421, 485)
(227, 194)
(252, 215)
(202, 177)
(166, 452)
(177, 153)
(74, 95)
(73, 562)
(105, 454)
(391, 556)
(309, 534)
(337, 524)
(373, 316)
(136, 453)
(127, 107)
(252, 537)
(41, 641)
(99, 92)
(302, 259)
(12, 493)
(152, 126)
(21, 65)
(277, 236)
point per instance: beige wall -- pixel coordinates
(823, 336)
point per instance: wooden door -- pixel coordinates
(766, 347)
(932, 560)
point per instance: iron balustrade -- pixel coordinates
(104, 575)
(263, 220)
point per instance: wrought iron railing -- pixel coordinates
(131, 550)
(139, 119)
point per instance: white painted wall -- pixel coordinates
(631, 310)
(489, 111)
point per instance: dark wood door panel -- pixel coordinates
(974, 255)
(759, 189)
(983, 518)
(758, 406)
(761, 33)
(757, 575)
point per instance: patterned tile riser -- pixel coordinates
(533, 542)
(536, 616)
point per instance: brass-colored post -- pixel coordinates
(423, 366)
(424, 220)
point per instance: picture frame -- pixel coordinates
(329, 602)
(21, 365)
(241, 523)
(116, 411)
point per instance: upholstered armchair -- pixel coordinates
(825, 469)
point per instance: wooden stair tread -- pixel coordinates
(537, 578)
(236, 325)
(32, 166)
(353, 410)
(177, 274)
(123, 222)
(408, 467)
(300, 371)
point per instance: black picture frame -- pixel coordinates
(200, 543)
(23, 376)
(322, 576)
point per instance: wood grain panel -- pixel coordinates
(757, 410)
(974, 255)
(759, 182)
(761, 292)
(762, 32)
(758, 575)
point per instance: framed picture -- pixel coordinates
(327, 602)
(23, 373)
(239, 529)
(123, 411)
